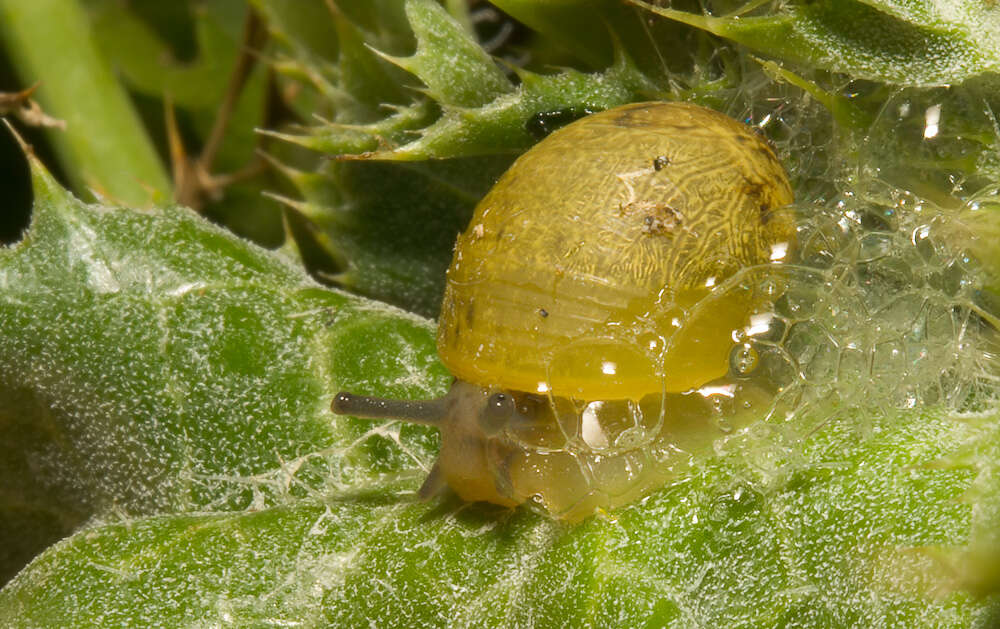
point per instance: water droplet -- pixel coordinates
(743, 360)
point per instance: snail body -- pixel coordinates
(582, 307)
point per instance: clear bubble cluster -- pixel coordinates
(876, 309)
(880, 311)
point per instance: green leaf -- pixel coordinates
(571, 24)
(176, 379)
(508, 123)
(146, 46)
(595, 31)
(467, 77)
(481, 112)
(104, 147)
(975, 567)
(826, 546)
(148, 64)
(359, 82)
(392, 226)
(906, 42)
(160, 364)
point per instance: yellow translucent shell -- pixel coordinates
(586, 256)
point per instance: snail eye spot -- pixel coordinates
(497, 413)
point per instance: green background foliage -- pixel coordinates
(166, 383)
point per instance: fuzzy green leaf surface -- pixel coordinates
(140, 350)
(175, 383)
(904, 42)
(831, 545)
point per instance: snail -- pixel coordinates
(579, 313)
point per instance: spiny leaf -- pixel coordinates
(463, 77)
(395, 223)
(143, 349)
(508, 123)
(907, 42)
(343, 139)
(469, 110)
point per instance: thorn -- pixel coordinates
(290, 246)
(27, 148)
(298, 206)
(180, 164)
(402, 62)
(18, 97)
(354, 157)
(287, 170)
(21, 104)
(342, 279)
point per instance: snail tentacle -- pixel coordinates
(428, 412)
